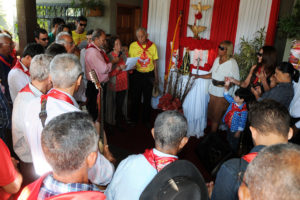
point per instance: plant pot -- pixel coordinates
(94, 12)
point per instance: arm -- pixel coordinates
(205, 76)
(228, 97)
(264, 81)
(246, 82)
(97, 62)
(14, 186)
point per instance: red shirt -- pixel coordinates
(121, 76)
(8, 172)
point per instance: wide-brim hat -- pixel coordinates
(178, 180)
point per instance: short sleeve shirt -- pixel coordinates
(8, 172)
(77, 38)
(145, 62)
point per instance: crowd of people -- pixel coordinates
(55, 140)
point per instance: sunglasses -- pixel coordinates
(44, 39)
(259, 54)
(83, 24)
(222, 48)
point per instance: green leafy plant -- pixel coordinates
(289, 26)
(248, 49)
(90, 4)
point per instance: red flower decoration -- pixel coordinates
(198, 15)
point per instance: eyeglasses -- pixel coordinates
(83, 24)
(259, 54)
(44, 39)
(222, 48)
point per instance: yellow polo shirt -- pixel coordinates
(77, 38)
(145, 63)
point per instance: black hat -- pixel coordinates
(178, 180)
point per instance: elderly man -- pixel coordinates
(144, 76)
(135, 172)
(269, 124)
(96, 59)
(66, 75)
(70, 145)
(41, 37)
(19, 76)
(6, 47)
(79, 34)
(55, 24)
(66, 40)
(273, 175)
(40, 84)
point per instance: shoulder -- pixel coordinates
(231, 167)
(133, 45)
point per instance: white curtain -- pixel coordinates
(158, 22)
(205, 21)
(253, 15)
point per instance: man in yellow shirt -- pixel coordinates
(145, 75)
(79, 34)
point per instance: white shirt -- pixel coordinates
(295, 104)
(102, 171)
(131, 177)
(20, 144)
(219, 72)
(17, 80)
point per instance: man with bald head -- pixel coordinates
(6, 47)
(65, 39)
(273, 175)
(145, 75)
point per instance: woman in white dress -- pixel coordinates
(224, 66)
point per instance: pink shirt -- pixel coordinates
(94, 60)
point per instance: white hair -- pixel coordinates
(40, 67)
(60, 38)
(65, 70)
(141, 29)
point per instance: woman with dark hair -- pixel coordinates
(283, 92)
(261, 73)
(224, 66)
(117, 90)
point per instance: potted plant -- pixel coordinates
(93, 8)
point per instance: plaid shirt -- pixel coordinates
(52, 187)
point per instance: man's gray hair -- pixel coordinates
(97, 33)
(65, 70)
(141, 29)
(275, 173)
(4, 35)
(40, 67)
(67, 140)
(60, 38)
(169, 128)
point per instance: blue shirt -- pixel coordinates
(228, 178)
(239, 119)
(52, 187)
(131, 177)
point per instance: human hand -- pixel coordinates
(15, 162)
(237, 134)
(108, 155)
(122, 67)
(256, 91)
(262, 75)
(252, 69)
(210, 187)
(115, 60)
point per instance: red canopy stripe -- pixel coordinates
(270, 37)
(145, 13)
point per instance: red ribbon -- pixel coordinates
(57, 95)
(148, 45)
(20, 67)
(250, 156)
(91, 45)
(158, 162)
(5, 62)
(229, 115)
(26, 89)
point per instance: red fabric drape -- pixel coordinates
(224, 20)
(175, 7)
(270, 37)
(145, 13)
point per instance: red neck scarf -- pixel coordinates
(57, 95)
(250, 156)
(20, 67)
(5, 62)
(229, 115)
(26, 89)
(148, 45)
(158, 162)
(91, 45)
